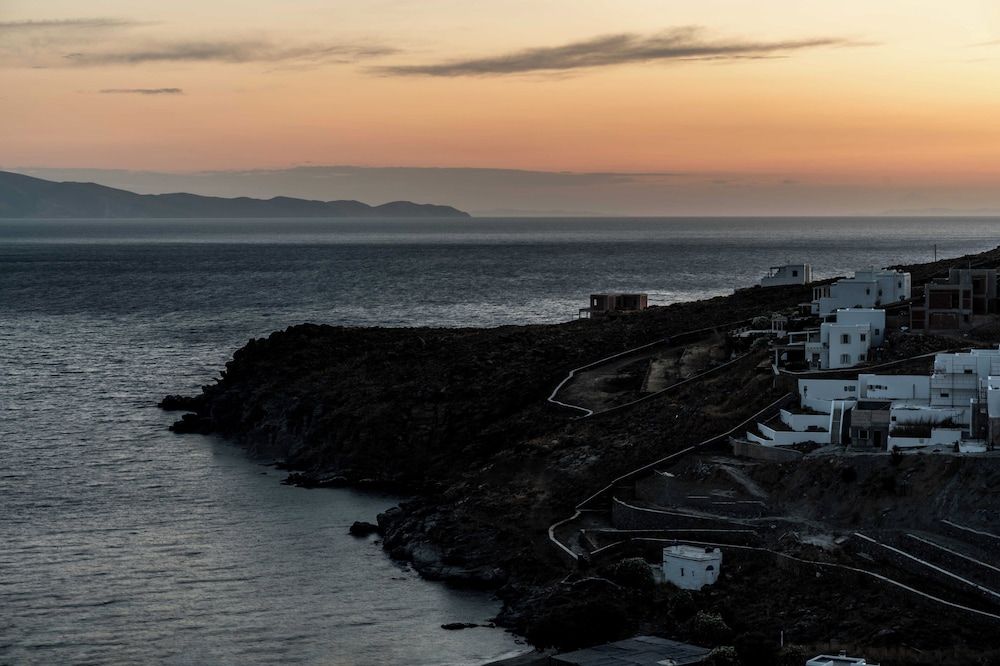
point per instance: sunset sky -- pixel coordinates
(892, 96)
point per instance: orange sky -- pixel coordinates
(837, 91)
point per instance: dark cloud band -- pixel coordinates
(65, 24)
(142, 91)
(231, 52)
(679, 44)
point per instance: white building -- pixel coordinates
(847, 340)
(828, 405)
(840, 660)
(786, 275)
(960, 378)
(867, 289)
(691, 567)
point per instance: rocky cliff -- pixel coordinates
(458, 419)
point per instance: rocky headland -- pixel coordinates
(458, 420)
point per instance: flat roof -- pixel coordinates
(692, 552)
(636, 651)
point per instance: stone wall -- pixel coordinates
(880, 553)
(979, 538)
(627, 517)
(979, 572)
(745, 449)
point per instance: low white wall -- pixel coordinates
(908, 442)
(824, 406)
(902, 415)
(939, 437)
(801, 422)
(829, 389)
(948, 436)
(784, 437)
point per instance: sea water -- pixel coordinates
(123, 543)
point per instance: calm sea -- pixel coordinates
(121, 543)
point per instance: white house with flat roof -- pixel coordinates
(847, 340)
(957, 407)
(789, 274)
(866, 289)
(691, 567)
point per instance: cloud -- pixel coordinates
(233, 51)
(142, 91)
(84, 42)
(65, 24)
(677, 44)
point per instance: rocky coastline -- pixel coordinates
(458, 420)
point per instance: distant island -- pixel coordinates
(27, 197)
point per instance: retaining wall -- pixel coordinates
(880, 553)
(801, 422)
(755, 451)
(656, 488)
(983, 573)
(628, 517)
(975, 536)
(788, 437)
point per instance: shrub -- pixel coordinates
(632, 572)
(709, 629)
(724, 655)
(756, 649)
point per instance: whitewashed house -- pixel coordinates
(847, 340)
(691, 567)
(827, 406)
(867, 289)
(956, 408)
(789, 274)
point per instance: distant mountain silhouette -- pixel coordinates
(27, 197)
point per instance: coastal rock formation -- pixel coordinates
(362, 529)
(458, 419)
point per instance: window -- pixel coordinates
(845, 358)
(845, 338)
(864, 336)
(875, 331)
(795, 273)
(862, 357)
(944, 394)
(850, 389)
(682, 572)
(862, 434)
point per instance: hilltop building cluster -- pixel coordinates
(829, 344)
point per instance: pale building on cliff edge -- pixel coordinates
(867, 289)
(847, 338)
(790, 274)
(691, 567)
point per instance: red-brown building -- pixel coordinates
(604, 304)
